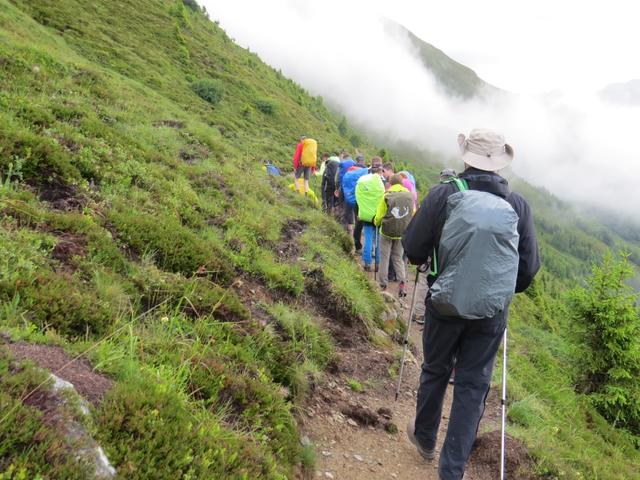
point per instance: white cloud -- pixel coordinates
(572, 143)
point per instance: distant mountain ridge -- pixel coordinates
(455, 78)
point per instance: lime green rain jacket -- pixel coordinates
(369, 192)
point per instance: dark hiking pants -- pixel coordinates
(474, 343)
(357, 232)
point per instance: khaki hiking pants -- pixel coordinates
(421, 295)
(391, 251)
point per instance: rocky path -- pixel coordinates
(362, 435)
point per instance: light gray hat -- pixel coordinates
(485, 150)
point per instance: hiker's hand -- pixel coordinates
(336, 193)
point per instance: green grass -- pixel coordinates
(150, 164)
(355, 385)
(106, 143)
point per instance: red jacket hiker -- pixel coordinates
(298, 154)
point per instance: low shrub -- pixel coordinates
(66, 304)
(175, 247)
(266, 105)
(149, 431)
(210, 91)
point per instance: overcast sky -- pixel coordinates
(522, 47)
(531, 46)
(340, 50)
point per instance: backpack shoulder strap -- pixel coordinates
(461, 183)
(462, 186)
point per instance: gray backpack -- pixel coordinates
(478, 255)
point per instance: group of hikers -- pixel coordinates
(374, 203)
(474, 240)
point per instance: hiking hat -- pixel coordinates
(485, 150)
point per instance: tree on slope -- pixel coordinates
(607, 321)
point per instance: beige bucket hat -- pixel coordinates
(485, 150)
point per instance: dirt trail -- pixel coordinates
(348, 450)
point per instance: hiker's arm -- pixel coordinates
(529, 263)
(380, 212)
(420, 238)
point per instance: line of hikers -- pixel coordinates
(478, 243)
(374, 203)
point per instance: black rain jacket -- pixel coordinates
(425, 229)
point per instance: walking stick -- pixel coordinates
(406, 335)
(504, 408)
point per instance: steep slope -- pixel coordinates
(455, 78)
(137, 225)
(139, 229)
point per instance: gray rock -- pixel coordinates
(88, 451)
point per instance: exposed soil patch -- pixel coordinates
(47, 403)
(486, 455)
(218, 222)
(211, 180)
(288, 247)
(62, 196)
(362, 415)
(254, 295)
(89, 384)
(69, 245)
(169, 123)
(319, 295)
(194, 151)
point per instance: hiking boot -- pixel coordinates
(402, 290)
(419, 319)
(367, 267)
(427, 454)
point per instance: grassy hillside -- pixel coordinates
(455, 78)
(138, 225)
(119, 183)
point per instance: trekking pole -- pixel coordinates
(406, 335)
(504, 407)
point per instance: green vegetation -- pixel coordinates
(136, 220)
(608, 320)
(208, 90)
(355, 385)
(23, 440)
(134, 209)
(455, 78)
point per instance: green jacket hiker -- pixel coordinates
(394, 212)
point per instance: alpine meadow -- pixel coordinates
(205, 303)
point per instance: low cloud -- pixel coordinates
(574, 143)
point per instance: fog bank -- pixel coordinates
(574, 143)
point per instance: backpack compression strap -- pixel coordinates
(462, 186)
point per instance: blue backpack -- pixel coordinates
(349, 182)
